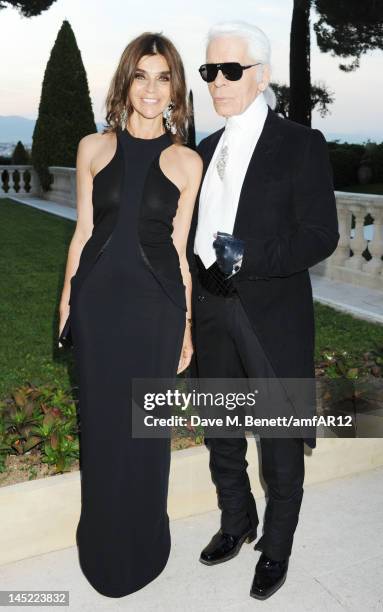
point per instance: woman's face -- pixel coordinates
(150, 90)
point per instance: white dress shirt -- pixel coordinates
(219, 198)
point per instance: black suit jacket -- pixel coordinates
(288, 220)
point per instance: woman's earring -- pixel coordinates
(167, 115)
(123, 118)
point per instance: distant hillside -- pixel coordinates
(14, 128)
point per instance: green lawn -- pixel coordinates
(33, 255)
(342, 332)
(32, 264)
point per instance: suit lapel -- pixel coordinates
(206, 153)
(260, 165)
(209, 150)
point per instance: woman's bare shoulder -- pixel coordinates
(188, 160)
(91, 143)
(94, 148)
(186, 152)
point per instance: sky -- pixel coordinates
(103, 29)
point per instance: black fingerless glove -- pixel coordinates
(229, 252)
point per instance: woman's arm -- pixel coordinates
(84, 224)
(192, 171)
(186, 173)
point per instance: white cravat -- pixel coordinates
(219, 196)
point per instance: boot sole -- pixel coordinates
(248, 538)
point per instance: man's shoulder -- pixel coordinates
(295, 130)
(210, 140)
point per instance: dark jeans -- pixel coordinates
(227, 346)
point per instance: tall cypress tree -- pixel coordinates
(191, 142)
(19, 155)
(65, 109)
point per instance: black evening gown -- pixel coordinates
(127, 313)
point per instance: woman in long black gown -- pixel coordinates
(129, 287)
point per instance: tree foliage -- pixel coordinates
(65, 110)
(349, 28)
(191, 142)
(20, 155)
(345, 28)
(28, 8)
(320, 99)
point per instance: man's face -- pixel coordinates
(233, 97)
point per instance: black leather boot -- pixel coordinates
(269, 576)
(224, 546)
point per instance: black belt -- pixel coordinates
(213, 279)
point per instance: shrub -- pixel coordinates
(42, 417)
(345, 159)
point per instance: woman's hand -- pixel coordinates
(187, 349)
(63, 313)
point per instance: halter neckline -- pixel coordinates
(138, 139)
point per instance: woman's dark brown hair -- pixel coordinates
(148, 43)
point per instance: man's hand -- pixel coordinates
(229, 252)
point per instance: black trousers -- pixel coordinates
(226, 345)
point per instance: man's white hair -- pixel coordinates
(258, 46)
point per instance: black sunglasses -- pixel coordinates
(231, 70)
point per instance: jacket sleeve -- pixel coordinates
(315, 235)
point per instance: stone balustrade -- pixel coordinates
(63, 189)
(357, 259)
(19, 180)
(14, 180)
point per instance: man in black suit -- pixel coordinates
(267, 190)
